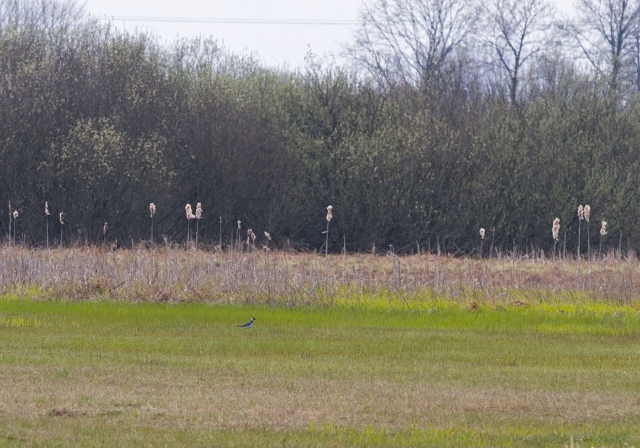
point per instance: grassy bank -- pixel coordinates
(122, 374)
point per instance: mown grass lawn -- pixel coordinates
(439, 374)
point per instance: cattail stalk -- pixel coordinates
(238, 235)
(61, 226)
(268, 237)
(198, 218)
(15, 220)
(10, 218)
(152, 212)
(190, 216)
(104, 233)
(326, 242)
(603, 232)
(251, 238)
(580, 218)
(587, 215)
(555, 232)
(46, 215)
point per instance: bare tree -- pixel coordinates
(516, 30)
(52, 15)
(410, 40)
(606, 32)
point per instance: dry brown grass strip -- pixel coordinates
(156, 398)
(169, 275)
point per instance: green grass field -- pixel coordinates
(435, 374)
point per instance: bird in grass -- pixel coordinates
(247, 324)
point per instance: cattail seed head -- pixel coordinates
(267, 235)
(198, 210)
(481, 232)
(152, 209)
(587, 212)
(15, 214)
(105, 228)
(250, 236)
(603, 229)
(61, 217)
(329, 213)
(46, 208)
(555, 231)
(190, 214)
(580, 212)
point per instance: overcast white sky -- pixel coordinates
(276, 44)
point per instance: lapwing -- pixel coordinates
(247, 324)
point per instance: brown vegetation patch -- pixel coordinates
(290, 404)
(64, 412)
(176, 275)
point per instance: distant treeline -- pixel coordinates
(100, 123)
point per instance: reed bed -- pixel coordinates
(171, 274)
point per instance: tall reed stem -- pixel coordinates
(10, 218)
(588, 243)
(600, 249)
(326, 241)
(579, 250)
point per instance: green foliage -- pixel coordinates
(140, 374)
(101, 123)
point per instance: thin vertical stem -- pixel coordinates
(188, 233)
(588, 242)
(493, 235)
(589, 253)
(10, 218)
(326, 242)
(600, 249)
(578, 250)
(578, 239)
(619, 245)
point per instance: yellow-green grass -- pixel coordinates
(437, 373)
